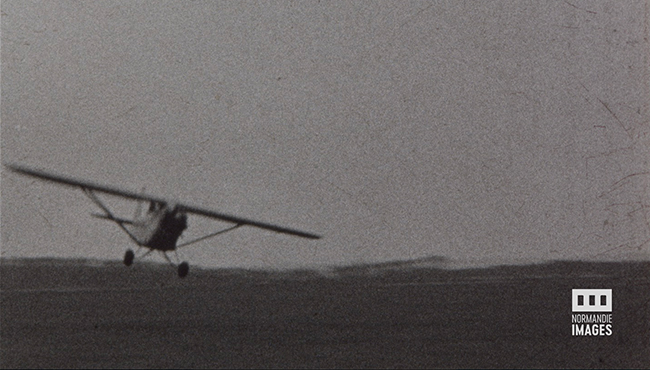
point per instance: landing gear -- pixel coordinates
(183, 269)
(128, 257)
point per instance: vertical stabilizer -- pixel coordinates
(138, 209)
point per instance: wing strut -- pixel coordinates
(109, 215)
(208, 236)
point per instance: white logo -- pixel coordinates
(595, 318)
(591, 300)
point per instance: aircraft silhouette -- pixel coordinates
(160, 227)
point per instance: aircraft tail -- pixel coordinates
(138, 209)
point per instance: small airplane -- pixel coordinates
(163, 223)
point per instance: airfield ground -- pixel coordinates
(76, 314)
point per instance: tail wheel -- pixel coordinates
(128, 257)
(183, 269)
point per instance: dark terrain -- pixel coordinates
(66, 313)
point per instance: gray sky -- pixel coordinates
(482, 131)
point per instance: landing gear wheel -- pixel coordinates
(183, 269)
(128, 257)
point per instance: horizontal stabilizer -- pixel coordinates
(116, 219)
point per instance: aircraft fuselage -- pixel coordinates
(159, 228)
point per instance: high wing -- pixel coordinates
(179, 206)
(83, 184)
(243, 221)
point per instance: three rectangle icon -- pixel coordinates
(591, 300)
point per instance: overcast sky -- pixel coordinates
(482, 131)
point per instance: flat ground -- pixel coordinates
(71, 314)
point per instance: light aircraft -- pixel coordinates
(159, 228)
